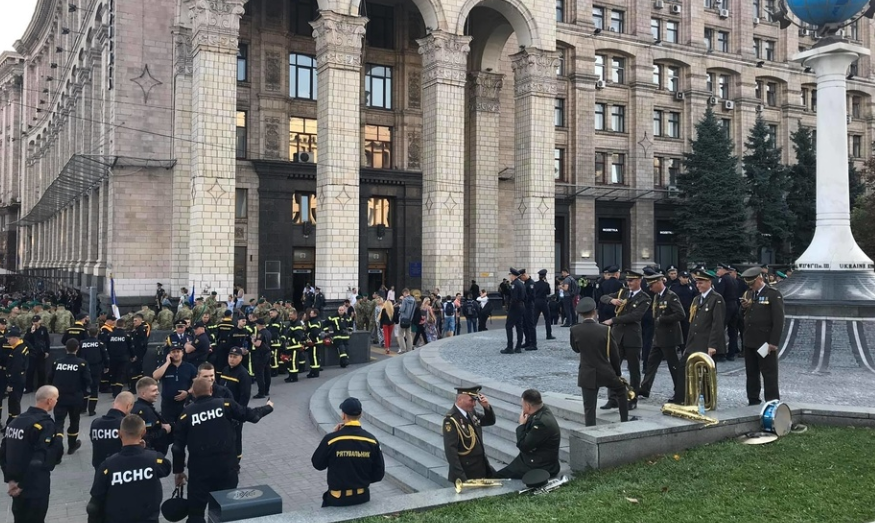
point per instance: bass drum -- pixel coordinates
(777, 418)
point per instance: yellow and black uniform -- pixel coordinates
(127, 487)
(295, 354)
(93, 351)
(276, 343)
(78, 331)
(28, 454)
(354, 460)
(140, 342)
(242, 337)
(259, 358)
(13, 361)
(338, 327)
(70, 374)
(463, 444)
(239, 382)
(315, 346)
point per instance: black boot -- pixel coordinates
(74, 445)
(507, 350)
(611, 404)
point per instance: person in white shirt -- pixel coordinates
(390, 295)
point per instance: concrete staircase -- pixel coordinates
(404, 400)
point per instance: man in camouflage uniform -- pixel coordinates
(148, 314)
(199, 308)
(184, 313)
(63, 319)
(164, 320)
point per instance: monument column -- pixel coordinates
(534, 186)
(338, 109)
(481, 183)
(215, 26)
(444, 75)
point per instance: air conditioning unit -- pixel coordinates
(756, 20)
(679, 95)
(676, 9)
(673, 191)
(804, 32)
(712, 100)
(302, 157)
(760, 108)
(724, 13)
(600, 84)
(728, 105)
(658, 4)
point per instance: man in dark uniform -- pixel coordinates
(296, 337)
(707, 328)
(158, 428)
(259, 356)
(140, 343)
(537, 438)
(176, 377)
(37, 339)
(121, 352)
(338, 327)
(105, 430)
(78, 330)
(71, 376)
(241, 336)
(14, 360)
(672, 276)
(516, 307)
(127, 485)
(463, 436)
(631, 305)
(222, 341)
(599, 362)
(531, 342)
(237, 380)
(667, 313)
(541, 294)
(610, 284)
(275, 326)
(763, 310)
(28, 454)
(353, 458)
(93, 351)
(200, 346)
(178, 338)
(205, 429)
(728, 288)
(685, 291)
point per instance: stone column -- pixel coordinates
(182, 197)
(82, 236)
(93, 233)
(481, 182)
(583, 255)
(444, 71)
(100, 238)
(339, 57)
(642, 242)
(534, 187)
(215, 27)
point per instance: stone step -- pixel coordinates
(409, 480)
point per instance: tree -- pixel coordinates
(856, 186)
(711, 213)
(863, 212)
(767, 185)
(802, 198)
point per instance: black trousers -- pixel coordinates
(171, 409)
(543, 309)
(201, 483)
(657, 354)
(96, 374)
(591, 396)
(238, 431)
(514, 321)
(72, 408)
(570, 317)
(342, 349)
(36, 368)
(481, 323)
(731, 323)
(118, 372)
(14, 398)
(755, 365)
(342, 500)
(135, 372)
(646, 337)
(261, 368)
(529, 324)
(30, 510)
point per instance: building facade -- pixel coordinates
(422, 143)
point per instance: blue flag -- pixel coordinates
(191, 297)
(112, 297)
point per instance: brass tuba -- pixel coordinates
(475, 483)
(701, 381)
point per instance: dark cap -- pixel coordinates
(81, 316)
(235, 350)
(199, 298)
(2, 321)
(633, 275)
(542, 272)
(724, 266)
(36, 318)
(522, 271)
(160, 284)
(259, 321)
(764, 266)
(471, 390)
(671, 268)
(180, 323)
(752, 273)
(351, 407)
(685, 274)
(513, 271)
(214, 293)
(611, 269)
(199, 325)
(111, 317)
(13, 331)
(653, 278)
(227, 313)
(585, 305)
(732, 268)
(536, 478)
(177, 347)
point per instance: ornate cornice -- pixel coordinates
(444, 57)
(215, 23)
(534, 72)
(339, 39)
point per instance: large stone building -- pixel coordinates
(176, 140)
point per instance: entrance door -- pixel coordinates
(610, 244)
(377, 261)
(240, 267)
(376, 278)
(300, 279)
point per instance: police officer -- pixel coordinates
(259, 357)
(140, 343)
(176, 377)
(541, 292)
(105, 430)
(121, 352)
(14, 360)
(71, 376)
(205, 429)
(516, 307)
(237, 380)
(200, 346)
(127, 485)
(531, 342)
(177, 338)
(28, 454)
(93, 351)
(338, 327)
(158, 429)
(763, 309)
(353, 458)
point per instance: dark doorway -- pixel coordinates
(610, 244)
(240, 267)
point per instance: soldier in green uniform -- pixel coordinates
(184, 313)
(148, 314)
(463, 436)
(165, 319)
(537, 438)
(63, 319)
(24, 319)
(707, 330)
(763, 311)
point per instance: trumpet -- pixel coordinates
(475, 483)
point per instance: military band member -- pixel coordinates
(353, 458)
(463, 436)
(610, 284)
(667, 313)
(516, 308)
(599, 362)
(685, 291)
(707, 328)
(631, 305)
(537, 438)
(727, 287)
(763, 310)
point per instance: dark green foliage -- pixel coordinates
(802, 197)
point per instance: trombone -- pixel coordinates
(476, 483)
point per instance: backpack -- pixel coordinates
(471, 308)
(449, 309)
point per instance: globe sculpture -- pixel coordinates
(826, 12)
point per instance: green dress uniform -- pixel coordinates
(538, 440)
(463, 444)
(707, 331)
(763, 323)
(626, 329)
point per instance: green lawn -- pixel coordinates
(826, 475)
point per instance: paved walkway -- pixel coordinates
(276, 452)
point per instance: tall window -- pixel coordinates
(772, 94)
(856, 146)
(723, 41)
(381, 26)
(758, 47)
(600, 116)
(709, 39)
(853, 30)
(559, 112)
(773, 135)
(854, 68)
(709, 83)
(242, 62)
(658, 163)
(302, 137)
(769, 50)
(856, 110)
(272, 274)
(673, 125)
(304, 208)
(727, 127)
(378, 86)
(618, 169)
(671, 31)
(769, 8)
(618, 66)
(655, 28)
(302, 13)
(560, 63)
(378, 146)
(600, 166)
(558, 163)
(618, 118)
(241, 206)
(723, 86)
(657, 122)
(600, 66)
(673, 78)
(302, 76)
(379, 211)
(657, 75)
(618, 21)
(598, 17)
(560, 10)
(674, 169)
(241, 134)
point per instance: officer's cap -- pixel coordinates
(611, 269)
(180, 323)
(351, 407)
(177, 347)
(259, 321)
(199, 298)
(702, 275)
(536, 478)
(751, 274)
(632, 275)
(671, 268)
(724, 266)
(649, 271)
(470, 390)
(236, 351)
(732, 268)
(2, 321)
(110, 317)
(522, 271)
(260, 300)
(653, 278)
(214, 293)
(36, 318)
(685, 274)
(764, 266)
(586, 305)
(199, 324)
(514, 272)
(13, 331)
(542, 272)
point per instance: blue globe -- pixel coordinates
(821, 12)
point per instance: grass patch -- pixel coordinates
(824, 475)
